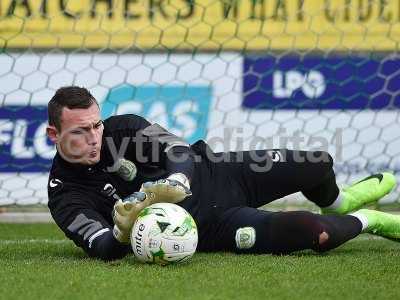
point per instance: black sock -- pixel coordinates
(340, 229)
(293, 231)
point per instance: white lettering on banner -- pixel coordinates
(158, 114)
(14, 133)
(130, 107)
(18, 148)
(182, 112)
(40, 144)
(312, 84)
(6, 127)
(184, 123)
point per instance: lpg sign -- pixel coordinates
(286, 84)
(320, 82)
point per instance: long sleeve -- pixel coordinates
(86, 227)
(150, 145)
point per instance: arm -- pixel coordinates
(148, 144)
(153, 146)
(86, 227)
(175, 153)
(176, 159)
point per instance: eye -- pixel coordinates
(98, 125)
(76, 132)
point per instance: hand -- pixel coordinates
(125, 213)
(173, 189)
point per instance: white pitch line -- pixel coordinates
(33, 241)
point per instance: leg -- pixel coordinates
(266, 175)
(249, 230)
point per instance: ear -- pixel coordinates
(52, 133)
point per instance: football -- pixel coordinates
(164, 233)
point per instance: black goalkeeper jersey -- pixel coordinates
(81, 198)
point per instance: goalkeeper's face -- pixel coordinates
(80, 136)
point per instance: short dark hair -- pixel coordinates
(70, 97)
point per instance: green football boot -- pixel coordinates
(366, 191)
(380, 223)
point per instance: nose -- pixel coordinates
(92, 138)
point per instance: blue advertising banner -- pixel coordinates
(24, 146)
(182, 109)
(320, 82)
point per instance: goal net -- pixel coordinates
(240, 74)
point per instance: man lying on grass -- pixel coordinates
(105, 172)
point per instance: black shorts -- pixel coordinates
(228, 189)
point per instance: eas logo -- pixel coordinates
(182, 109)
(311, 84)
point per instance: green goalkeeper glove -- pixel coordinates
(125, 213)
(173, 189)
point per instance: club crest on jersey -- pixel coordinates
(126, 169)
(245, 237)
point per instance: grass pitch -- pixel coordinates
(37, 262)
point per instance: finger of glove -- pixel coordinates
(119, 208)
(117, 218)
(162, 191)
(133, 199)
(154, 185)
(125, 222)
(148, 184)
(174, 188)
(114, 214)
(176, 183)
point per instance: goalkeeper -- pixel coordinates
(104, 173)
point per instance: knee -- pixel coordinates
(328, 159)
(324, 158)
